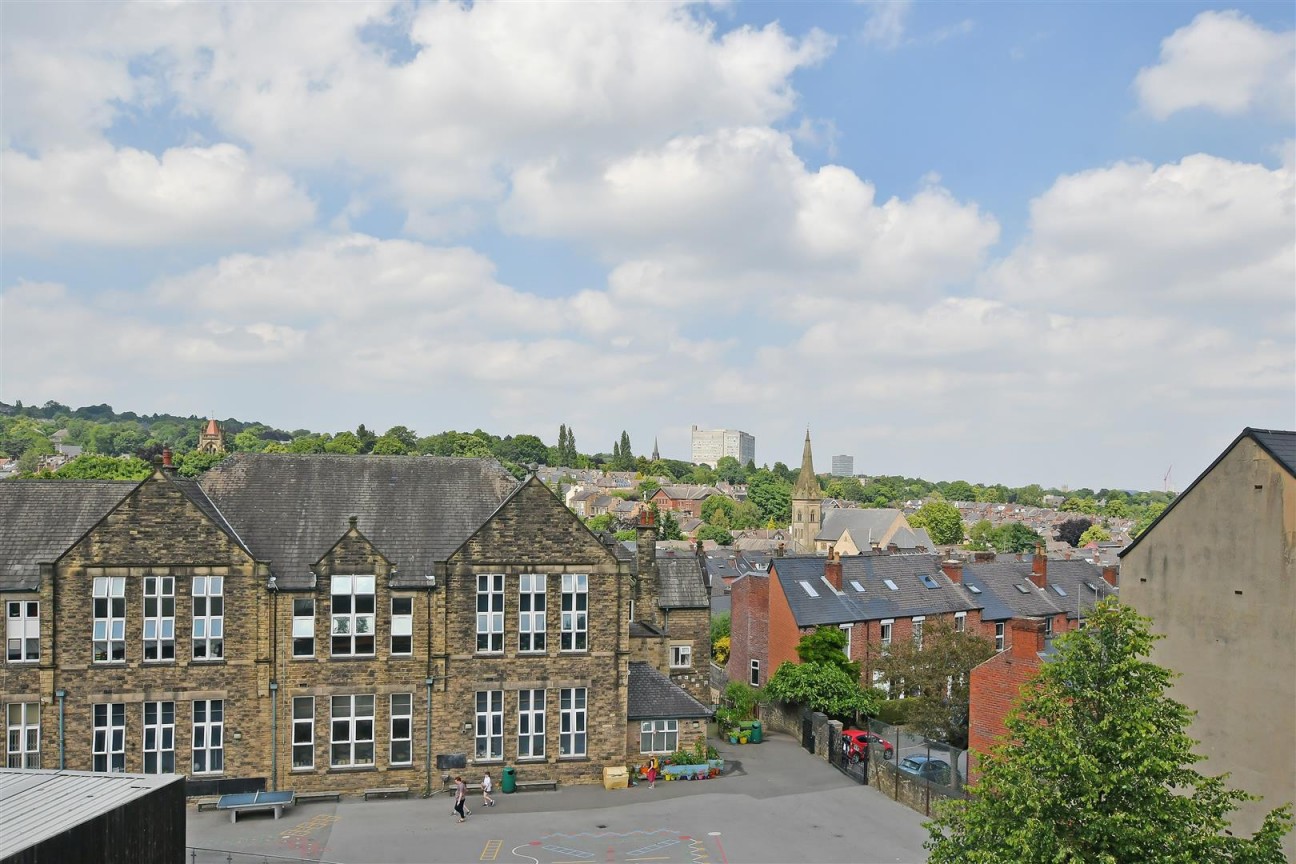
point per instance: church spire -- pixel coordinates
(807, 484)
(656, 456)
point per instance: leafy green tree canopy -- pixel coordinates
(942, 521)
(1099, 768)
(822, 687)
(1072, 530)
(89, 466)
(827, 645)
(1094, 534)
(716, 533)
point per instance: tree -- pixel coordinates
(942, 521)
(980, 535)
(718, 510)
(1071, 530)
(730, 470)
(1094, 534)
(822, 687)
(1014, 537)
(958, 490)
(1147, 517)
(771, 496)
(827, 645)
(1099, 767)
(668, 527)
(347, 443)
(89, 466)
(934, 678)
(716, 533)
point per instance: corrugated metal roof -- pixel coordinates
(40, 804)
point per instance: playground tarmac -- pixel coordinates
(775, 803)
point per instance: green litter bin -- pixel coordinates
(509, 783)
(755, 732)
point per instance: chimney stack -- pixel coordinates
(700, 552)
(954, 570)
(833, 569)
(166, 458)
(1027, 638)
(1039, 567)
(646, 562)
(779, 552)
(1111, 575)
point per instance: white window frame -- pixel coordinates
(352, 728)
(303, 733)
(960, 622)
(917, 626)
(208, 736)
(847, 628)
(22, 631)
(533, 607)
(303, 627)
(658, 736)
(681, 656)
(159, 619)
(490, 613)
(109, 750)
(575, 612)
(488, 744)
(208, 618)
(1048, 629)
(573, 706)
(109, 597)
(531, 724)
(753, 673)
(22, 743)
(159, 737)
(884, 633)
(400, 750)
(402, 627)
(999, 635)
(881, 683)
(353, 615)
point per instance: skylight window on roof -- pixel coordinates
(857, 586)
(974, 589)
(1091, 587)
(929, 581)
(1022, 588)
(890, 584)
(809, 589)
(1061, 592)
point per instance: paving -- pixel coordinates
(775, 803)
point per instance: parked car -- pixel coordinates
(930, 768)
(856, 743)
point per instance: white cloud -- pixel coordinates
(105, 197)
(1223, 62)
(886, 22)
(1206, 237)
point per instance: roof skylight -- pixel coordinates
(974, 589)
(890, 584)
(1020, 587)
(809, 589)
(1060, 591)
(857, 586)
(929, 581)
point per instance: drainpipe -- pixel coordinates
(427, 750)
(62, 697)
(274, 736)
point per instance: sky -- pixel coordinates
(1002, 242)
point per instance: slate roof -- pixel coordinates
(877, 600)
(291, 509)
(1001, 600)
(1279, 444)
(41, 519)
(681, 584)
(864, 524)
(688, 493)
(653, 696)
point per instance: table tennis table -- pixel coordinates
(245, 802)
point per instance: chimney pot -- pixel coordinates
(1111, 575)
(352, 521)
(954, 570)
(833, 570)
(1039, 567)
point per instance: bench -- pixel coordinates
(532, 785)
(207, 803)
(319, 796)
(386, 792)
(248, 802)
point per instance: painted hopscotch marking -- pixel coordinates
(315, 823)
(575, 853)
(491, 850)
(698, 850)
(656, 847)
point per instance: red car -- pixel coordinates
(856, 742)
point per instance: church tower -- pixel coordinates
(807, 504)
(211, 439)
(656, 456)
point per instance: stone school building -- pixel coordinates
(338, 623)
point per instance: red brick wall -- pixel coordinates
(783, 632)
(996, 685)
(749, 627)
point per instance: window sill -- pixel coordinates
(310, 770)
(497, 760)
(573, 758)
(488, 655)
(401, 766)
(574, 651)
(304, 659)
(409, 656)
(203, 661)
(350, 769)
(348, 658)
(530, 760)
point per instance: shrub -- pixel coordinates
(894, 711)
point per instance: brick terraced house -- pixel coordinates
(332, 623)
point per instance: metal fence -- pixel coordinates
(915, 770)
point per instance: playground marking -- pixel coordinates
(491, 850)
(301, 829)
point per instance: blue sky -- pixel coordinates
(1017, 243)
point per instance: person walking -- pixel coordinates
(461, 799)
(487, 800)
(652, 774)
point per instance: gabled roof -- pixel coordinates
(1277, 443)
(681, 584)
(290, 509)
(42, 519)
(1001, 599)
(878, 600)
(866, 525)
(688, 493)
(653, 696)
